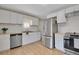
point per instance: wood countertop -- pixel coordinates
(18, 33)
(8, 33)
(60, 33)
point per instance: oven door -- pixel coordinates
(66, 43)
(69, 43)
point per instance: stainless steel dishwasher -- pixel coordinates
(15, 40)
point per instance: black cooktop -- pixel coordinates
(74, 36)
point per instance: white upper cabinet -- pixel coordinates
(61, 17)
(4, 16)
(30, 20)
(15, 18)
(10, 17)
(35, 21)
(19, 18)
(26, 19)
(76, 8)
(4, 42)
(72, 9)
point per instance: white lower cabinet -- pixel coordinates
(26, 39)
(76, 43)
(30, 38)
(4, 42)
(59, 42)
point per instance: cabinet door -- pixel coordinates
(26, 19)
(72, 9)
(16, 18)
(30, 38)
(69, 10)
(13, 18)
(19, 18)
(4, 42)
(35, 21)
(61, 17)
(76, 43)
(59, 42)
(76, 8)
(4, 16)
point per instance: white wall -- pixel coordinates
(72, 25)
(16, 28)
(11, 28)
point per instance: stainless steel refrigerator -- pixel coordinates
(50, 27)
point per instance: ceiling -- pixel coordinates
(38, 10)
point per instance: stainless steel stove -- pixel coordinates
(71, 52)
(70, 44)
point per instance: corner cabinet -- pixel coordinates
(59, 42)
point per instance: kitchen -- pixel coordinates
(30, 29)
(15, 30)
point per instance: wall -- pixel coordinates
(16, 28)
(72, 25)
(11, 28)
